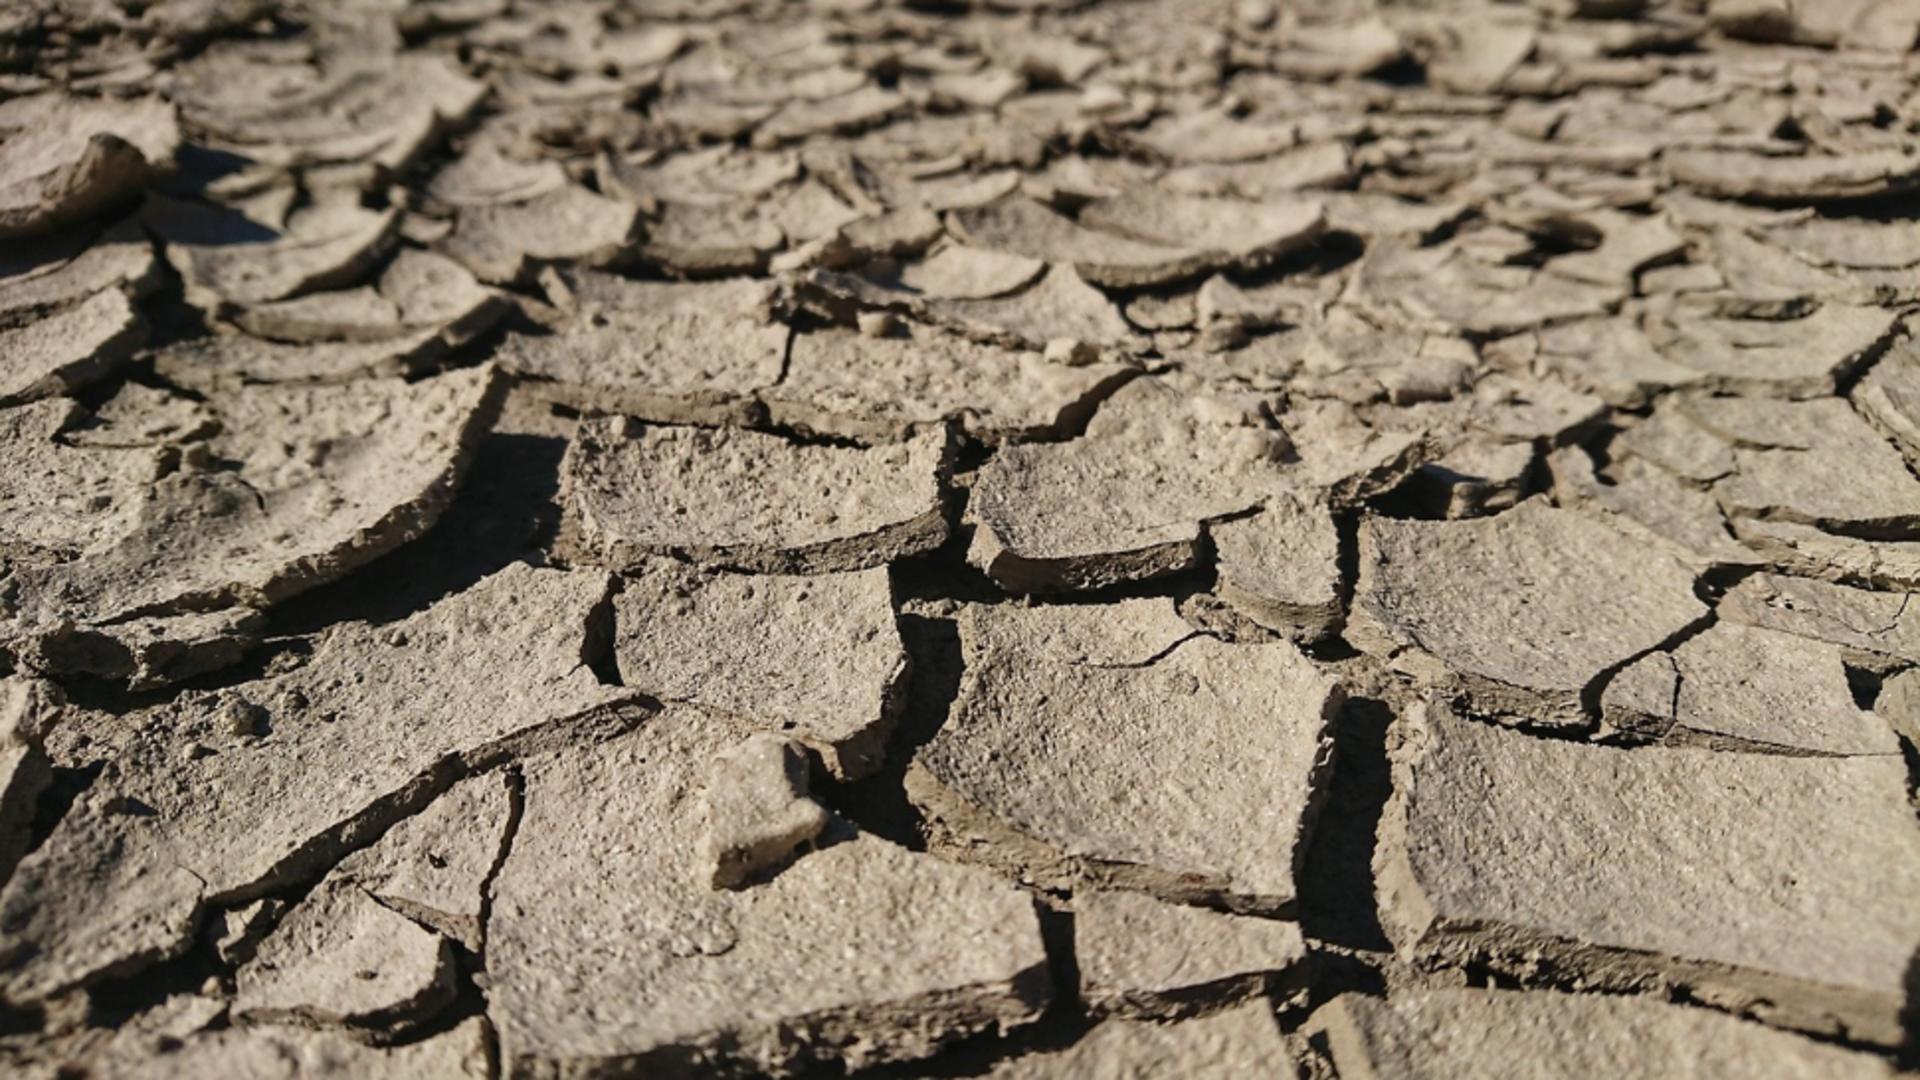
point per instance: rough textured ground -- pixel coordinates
(1017, 538)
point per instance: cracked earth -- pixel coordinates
(1019, 539)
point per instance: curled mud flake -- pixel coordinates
(69, 158)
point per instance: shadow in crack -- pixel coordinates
(1908, 1055)
(878, 803)
(1336, 879)
(504, 512)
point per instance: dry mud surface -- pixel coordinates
(1017, 538)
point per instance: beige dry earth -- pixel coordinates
(1011, 538)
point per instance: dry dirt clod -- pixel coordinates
(69, 158)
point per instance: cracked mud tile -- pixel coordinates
(229, 259)
(1240, 234)
(1814, 463)
(815, 657)
(1429, 1034)
(681, 367)
(340, 957)
(220, 796)
(1875, 629)
(1141, 957)
(432, 866)
(229, 361)
(1812, 552)
(1735, 174)
(1761, 884)
(337, 103)
(164, 580)
(1129, 499)
(1647, 496)
(269, 1052)
(367, 948)
(1611, 358)
(1888, 396)
(860, 952)
(1215, 135)
(49, 273)
(69, 350)
(422, 306)
(1742, 687)
(1308, 168)
(1672, 441)
(1793, 358)
(1021, 226)
(1060, 305)
(712, 176)
(125, 1049)
(68, 157)
(503, 243)
(1281, 568)
(850, 385)
(749, 501)
(585, 291)
(958, 272)
(1048, 767)
(1478, 477)
(1242, 1041)
(417, 291)
(1450, 285)
(1517, 613)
